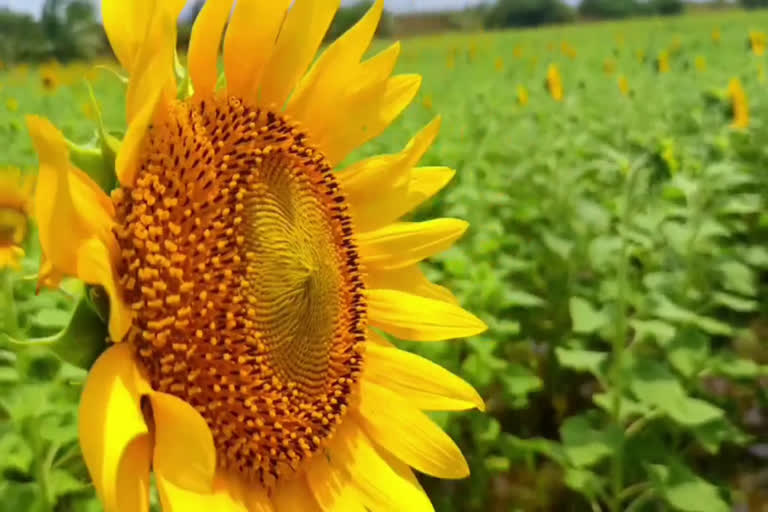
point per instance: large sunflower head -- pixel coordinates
(15, 209)
(248, 278)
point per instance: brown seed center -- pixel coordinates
(238, 258)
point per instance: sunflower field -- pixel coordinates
(614, 177)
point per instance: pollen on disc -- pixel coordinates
(239, 261)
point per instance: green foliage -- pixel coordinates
(67, 30)
(754, 4)
(23, 38)
(527, 13)
(609, 9)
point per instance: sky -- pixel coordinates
(33, 6)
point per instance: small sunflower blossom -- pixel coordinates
(248, 280)
(554, 83)
(757, 42)
(50, 76)
(700, 63)
(568, 50)
(16, 190)
(739, 104)
(716, 35)
(623, 84)
(522, 95)
(662, 62)
(609, 66)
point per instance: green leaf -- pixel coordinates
(584, 317)
(731, 366)
(661, 332)
(584, 445)
(656, 387)
(558, 245)
(17, 456)
(80, 343)
(714, 433)
(517, 383)
(685, 491)
(629, 408)
(51, 319)
(668, 310)
(520, 298)
(63, 482)
(688, 353)
(584, 482)
(738, 277)
(735, 302)
(582, 360)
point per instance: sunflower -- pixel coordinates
(554, 83)
(15, 209)
(739, 104)
(248, 280)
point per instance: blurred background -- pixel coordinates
(612, 158)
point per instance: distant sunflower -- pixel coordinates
(623, 84)
(247, 279)
(15, 209)
(662, 62)
(739, 104)
(522, 95)
(554, 83)
(50, 76)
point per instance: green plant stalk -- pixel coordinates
(8, 321)
(619, 344)
(43, 475)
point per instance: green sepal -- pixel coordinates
(97, 157)
(80, 343)
(184, 89)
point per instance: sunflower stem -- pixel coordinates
(8, 321)
(620, 342)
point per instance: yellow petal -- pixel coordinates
(130, 30)
(331, 487)
(411, 317)
(378, 339)
(226, 496)
(400, 467)
(249, 42)
(293, 495)
(331, 75)
(409, 434)
(424, 384)
(301, 35)
(65, 196)
(256, 499)
(364, 86)
(113, 432)
(377, 187)
(409, 279)
(424, 183)
(184, 451)
(367, 116)
(151, 81)
(204, 44)
(404, 243)
(95, 265)
(379, 487)
(125, 24)
(127, 161)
